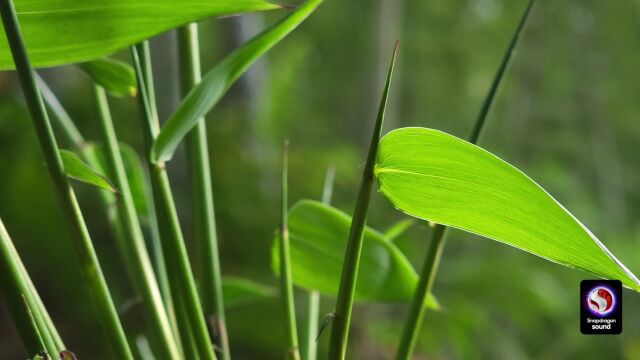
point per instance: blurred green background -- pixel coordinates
(567, 114)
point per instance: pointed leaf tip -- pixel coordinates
(78, 170)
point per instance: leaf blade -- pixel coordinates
(203, 97)
(318, 235)
(437, 177)
(78, 170)
(67, 31)
(116, 77)
(241, 291)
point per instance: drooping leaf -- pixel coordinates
(69, 31)
(397, 229)
(240, 291)
(78, 170)
(438, 177)
(115, 76)
(318, 239)
(218, 80)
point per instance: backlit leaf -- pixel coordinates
(76, 169)
(115, 76)
(438, 177)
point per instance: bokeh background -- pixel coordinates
(567, 114)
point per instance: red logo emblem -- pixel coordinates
(601, 300)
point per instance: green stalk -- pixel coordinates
(286, 282)
(71, 210)
(344, 304)
(182, 283)
(416, 313)
(142, 270)
(201, 191)
(310, 345)
(19, 296)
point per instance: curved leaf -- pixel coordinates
(438, 177)
(68, 31)
(396, 230)
(218, 80)
(115, 76)
(240, 291)
(318, 239)
(76, 169)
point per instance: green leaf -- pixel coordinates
(76, 169)
(438, 177)
(117, 77)
(240, 291)
(203, 97)
(137, 179)
(397, 229)
(69, 31)
(318, 239)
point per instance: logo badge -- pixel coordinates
(601, 307)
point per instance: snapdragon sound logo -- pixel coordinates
(601, 307)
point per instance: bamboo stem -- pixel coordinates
(91, 268)
(202, 193)
(346, 293)
(182, 283)
(416, 313)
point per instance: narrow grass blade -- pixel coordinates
(218, 80)
(346, 294)
(114, 76)
(78, 170)
(438, 177)
(318, 235)
(240, 291)
(286, 283)
(106, 311)
(202, 194)
(68, 31)
(396, 230)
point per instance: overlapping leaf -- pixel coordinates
(68, 31)
(115, 76)
(438, 177)
(76, 169)
(318, 239)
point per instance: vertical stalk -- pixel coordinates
(106, 310)
(344, 304)
(310, 345)
(141, 269)
(286, 282)
(182, 283)
(201, 191)
(434, 251)
(18, 295)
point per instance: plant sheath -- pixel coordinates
(106, 310)
(416, 313)
(182, 283)
(202, 192)
(346, 292)
(286, 282)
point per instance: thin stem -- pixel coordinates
(142, 271)
(71, 210)
(202, 193)
(346, 293)
(310, 345)
(416, 315)
(18, 295)
(427, 276)
(182, 283)
(286, 282)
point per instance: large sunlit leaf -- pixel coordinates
(68, 31)
(240, 291)
(76, 169)
(115, 76)
(218, 80)
(438, 177)
(318, 236)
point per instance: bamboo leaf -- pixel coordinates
(69, 31)
(396, 230)
(240, 291)
(115, 76)
(438, 177)
(76, 169)
(318, 235)
(203, 97)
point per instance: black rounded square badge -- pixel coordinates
(600, 307)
